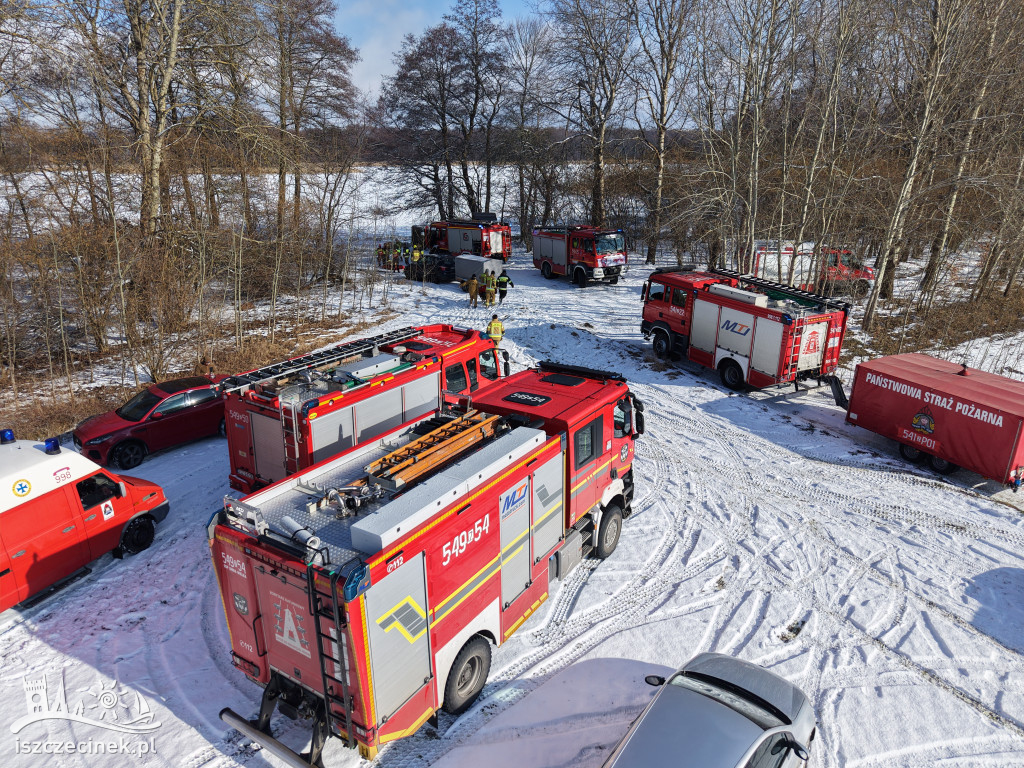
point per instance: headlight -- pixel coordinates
(98, 440)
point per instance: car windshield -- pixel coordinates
(736, 699)
(136, 408)
(611, 243)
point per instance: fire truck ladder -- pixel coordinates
(423, 455)
(245, 381)
(781, 288)
(331, 613)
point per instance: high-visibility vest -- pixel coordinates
(495, 329)
(503, 282)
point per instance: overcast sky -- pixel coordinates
(376, 28)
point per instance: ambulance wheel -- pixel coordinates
(910, 453)
(130, 454)
(732, 374)
(580, 278)
(662, 345)
(468, 675)
(545, 270)
(608, 533)
(942, 466)
(138, 534)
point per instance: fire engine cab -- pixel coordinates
(580, 253)
(285, 417)
(366, 591)
(752, 331)
(482, 235)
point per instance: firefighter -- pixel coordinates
(504, 283)
(496, 330)
(490, 285)
(471, 286)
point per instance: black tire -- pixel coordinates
(942, 466)
(861, 288)
(222, 430)
(467, 676)
(580, 278)
(608, 533)
(614, 280)
(732, 375)
(129, 454)
(545, 269)
(662, 345)
(911, 454)
(138, 534)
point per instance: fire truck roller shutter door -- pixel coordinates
(421, 396)
(331, 434)
(705, 326)
(379, 414)
(514, 508)
(548, 505)
(267, 446)
(767, 346)
(399, 643)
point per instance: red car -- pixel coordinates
(160, 416)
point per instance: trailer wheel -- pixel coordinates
(662, 345)
(580, 278)
(468, 675)
(942, 466)
(138, 534)
(910, 453)
(732, 374)
(608, 533)
(545, 269)
(129, 454)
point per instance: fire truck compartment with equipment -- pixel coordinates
(947, 414)
(366, 592)
(754, 332)
(60, 511)
(582, 253)
(285, 417)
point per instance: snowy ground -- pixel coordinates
(768, 530)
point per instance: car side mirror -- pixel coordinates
(121, 490)
(798, 749)
(156, 415)
(654, 680)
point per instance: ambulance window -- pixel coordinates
(621, 417)
(587, 442)
(455, 378)
(172, 404)
(488, 365)
(200, 396)
(656, 293)
(678, 297)
(96, 489)
(471, 367)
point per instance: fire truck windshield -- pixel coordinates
(610, 244)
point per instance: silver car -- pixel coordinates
(719, 712)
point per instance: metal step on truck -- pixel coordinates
(366, 592)
(285, 417)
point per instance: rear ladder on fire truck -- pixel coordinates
(335, 688)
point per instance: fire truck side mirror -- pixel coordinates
(643, 293)
(507, 366)
(638, 420)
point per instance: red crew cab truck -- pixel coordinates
(753, 332)
(482, 235)
(60, 511)
(580, 253)
(368, 590)
(285, 417)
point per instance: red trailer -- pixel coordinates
(949, 414)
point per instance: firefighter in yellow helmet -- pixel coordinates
(496, 330)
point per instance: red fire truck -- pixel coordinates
(831, 270)
(948, 414)
(367, 591)
(754, 332)
(581, 253)
(285, 417)
(482, 235)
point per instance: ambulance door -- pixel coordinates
(104, 509)
(45, 541)
(399, 643)
(514, 505)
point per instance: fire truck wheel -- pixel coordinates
(910, 453)
(614, 280)
(546, 271)
(942, 466)
(468, 675)
(732, 374)
(662, 345)
(608, 533)
(222, 430)
(129, 454)
(138, 534)
(580, 278)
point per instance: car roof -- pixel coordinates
(685, 729)
(174, 386)
(26, 462)
(767, 685)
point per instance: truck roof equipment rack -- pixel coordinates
(270, 373)
(590, 373)
(783, 289)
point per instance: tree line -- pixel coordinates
(164, 161)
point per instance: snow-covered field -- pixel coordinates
(768, 530)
